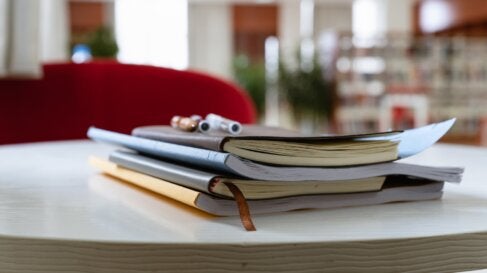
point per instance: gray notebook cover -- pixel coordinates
(202, 180)
(225, 207)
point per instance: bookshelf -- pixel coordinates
(401, 81)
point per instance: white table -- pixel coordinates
(57, 214)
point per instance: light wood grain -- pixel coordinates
(433, 254)
(57, 214)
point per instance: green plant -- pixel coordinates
(102, 43)
(251, 77)
(307, 92)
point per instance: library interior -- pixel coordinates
(317, 66)
(243, 135)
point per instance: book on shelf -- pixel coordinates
(277, 146)
(402, 189)
(231, 164)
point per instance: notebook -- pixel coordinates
(278, 146)
(401, 190)
(213, 183)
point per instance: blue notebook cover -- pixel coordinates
(184, 154)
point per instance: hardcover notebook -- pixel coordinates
(401, 190)
(213, 183)
(282, 147)
(230, 164)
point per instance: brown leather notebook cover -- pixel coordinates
(215, 139)
(212, 140)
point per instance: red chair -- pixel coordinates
(72, 97)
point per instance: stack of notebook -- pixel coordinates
(266, 170)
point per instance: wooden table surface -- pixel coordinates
(57, 214)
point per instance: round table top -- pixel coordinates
(48, 191)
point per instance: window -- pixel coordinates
(152, 32)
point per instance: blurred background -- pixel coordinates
(328, 66)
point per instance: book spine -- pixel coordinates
(183, 154)
(176, 192)
(169, 172)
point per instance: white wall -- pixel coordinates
(54, 30)
(210, 38)
(390, 16)
(328, 15)
(288, 30)
(398, 14)
(20, 38)
(333, 17)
